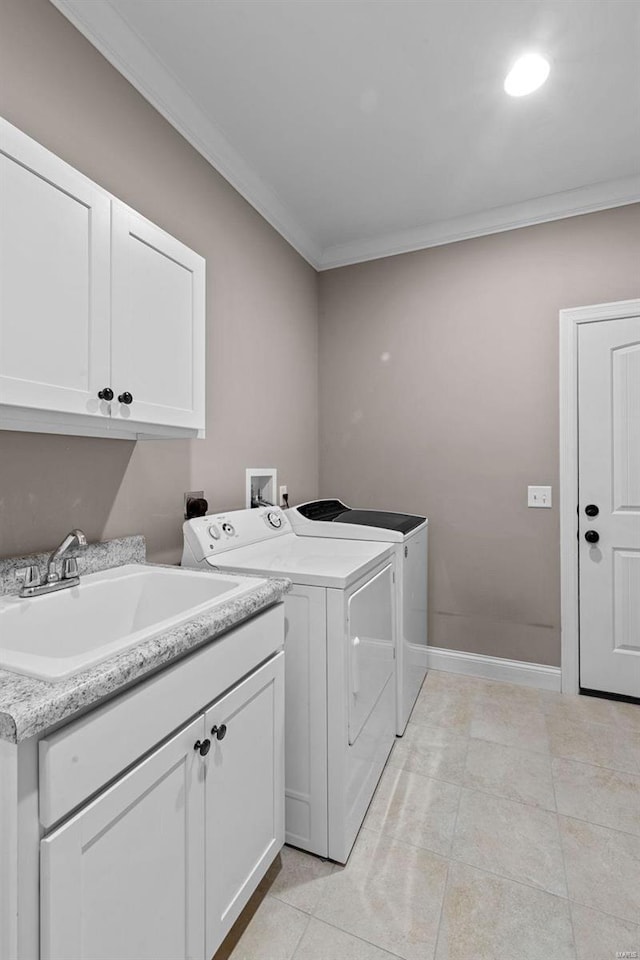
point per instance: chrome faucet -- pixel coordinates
(75, 538)
(30, 576)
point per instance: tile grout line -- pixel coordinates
(564, 861)
(355, 936)
(605, 913)
(596, 766)
(548, 893)
(603, 826)
(444, 897)
(537, 753)
(306, 927)
(450, 859)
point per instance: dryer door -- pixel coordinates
(371, 646)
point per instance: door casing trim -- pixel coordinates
(569, 583)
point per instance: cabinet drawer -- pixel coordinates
(82, 757)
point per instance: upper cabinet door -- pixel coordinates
(158, 321)
(54, 289)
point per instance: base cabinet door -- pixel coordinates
(244, 794)
(124, 878)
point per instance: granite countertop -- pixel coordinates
(28, 705)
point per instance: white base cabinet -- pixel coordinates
(150, 840)
(161, 864)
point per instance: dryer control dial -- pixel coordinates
(229, 529)
(214, 531)
(274, 519)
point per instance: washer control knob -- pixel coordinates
(214, 531)
(229, 529)
(274, 520)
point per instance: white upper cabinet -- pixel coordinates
(54, 281)
(157, 346)
(102, 313)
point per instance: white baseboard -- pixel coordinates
(494, 668)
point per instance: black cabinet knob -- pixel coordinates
(202, 746)
(591, 510)
(125, 397)
(106, 394)
(592, 536)
(219, 732)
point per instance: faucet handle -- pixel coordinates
(69, 568)
(29, 576)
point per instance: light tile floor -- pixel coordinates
(506, 825)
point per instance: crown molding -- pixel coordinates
(557, 206)
(105, 29)
(101, 24)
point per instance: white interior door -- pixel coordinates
(244, 794)
(124, 878)
(157, 323)
(609, 504)
(54, 281)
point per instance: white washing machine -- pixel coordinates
(409, 535)
(339, 664)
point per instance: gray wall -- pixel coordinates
(261, 311)
(439, 395)
(439, 384)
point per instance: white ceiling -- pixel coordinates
(361, 128)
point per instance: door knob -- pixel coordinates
(219, 732)
(591, 510)
(106, 394)
(202, 746)
(592, 536)
(125, 397)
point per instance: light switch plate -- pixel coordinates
(539, 497)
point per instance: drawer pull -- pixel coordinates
(202, 746)
(219, 732)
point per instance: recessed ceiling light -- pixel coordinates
(526, 75)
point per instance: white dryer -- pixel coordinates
(339, 664)
(409, 535)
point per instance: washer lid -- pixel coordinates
(306, 560)
(402, 522)
(322, 509)
(335, 511)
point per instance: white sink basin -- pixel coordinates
(54, 636)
